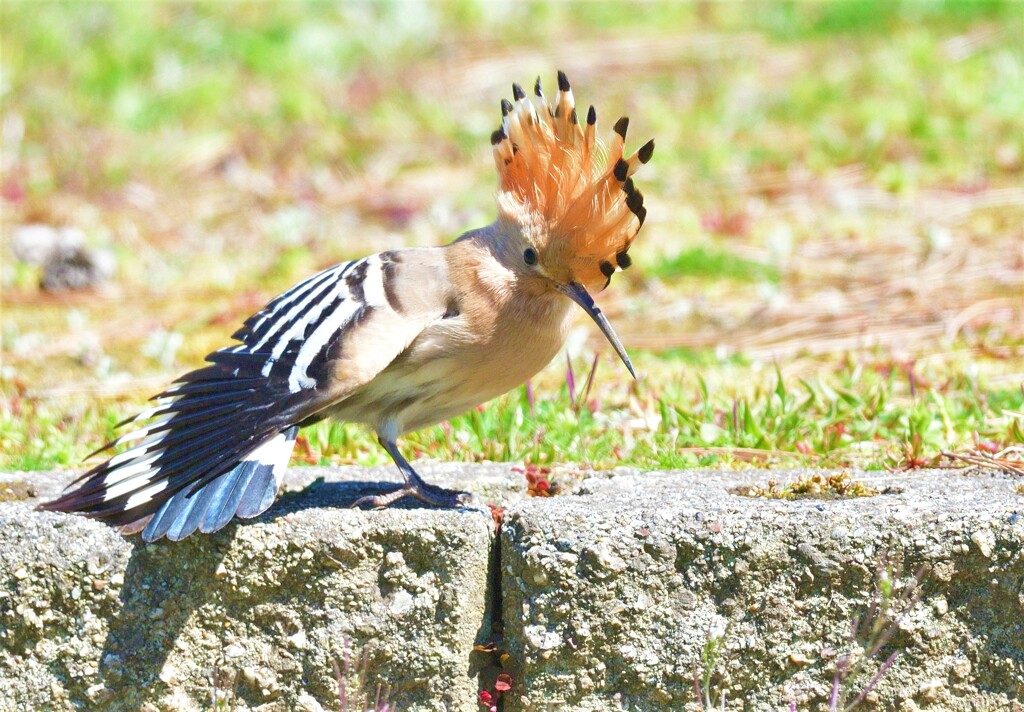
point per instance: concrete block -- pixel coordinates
(611, 598)
(91, 620)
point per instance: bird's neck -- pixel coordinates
(495, 296)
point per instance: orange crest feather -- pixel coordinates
(583, 214)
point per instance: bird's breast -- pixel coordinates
(462, 361)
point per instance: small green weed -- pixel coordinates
(355, 694)
(711, 654)
(870, 635)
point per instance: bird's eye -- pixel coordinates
(530, 256)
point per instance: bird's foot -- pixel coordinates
(430, 494)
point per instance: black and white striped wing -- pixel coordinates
(216, 442)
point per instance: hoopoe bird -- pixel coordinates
(396, 341)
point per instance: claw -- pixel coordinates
(429, 494)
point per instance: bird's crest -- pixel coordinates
(579, 210)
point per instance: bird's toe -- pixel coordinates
(428, 494)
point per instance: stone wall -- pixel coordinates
(612, 596)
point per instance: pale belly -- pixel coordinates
(429, 384)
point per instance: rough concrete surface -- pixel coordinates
(609, 596)
(92, 620)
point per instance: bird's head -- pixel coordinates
(576, 214)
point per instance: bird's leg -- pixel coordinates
(415, 486)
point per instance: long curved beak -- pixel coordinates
(576, 292)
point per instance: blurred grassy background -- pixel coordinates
(832, 270)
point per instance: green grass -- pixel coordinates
(824, 203)
(709, 263)
(862, 414)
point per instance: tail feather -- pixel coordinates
(193, 507)
(161, 522)
(259, 495)
(246, 490)
(225, 494)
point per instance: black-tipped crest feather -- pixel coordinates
(646, 151)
